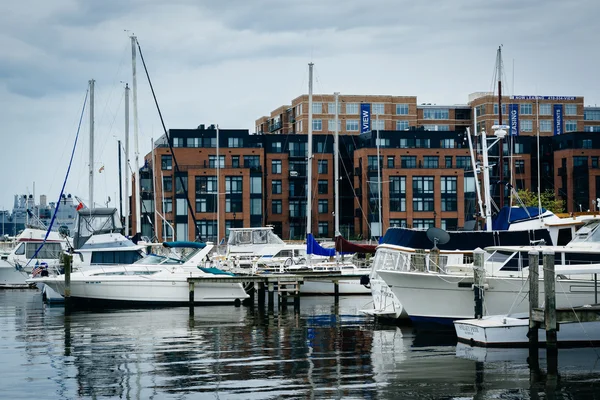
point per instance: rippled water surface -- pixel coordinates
(224, 352)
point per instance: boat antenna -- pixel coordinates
(187, 198)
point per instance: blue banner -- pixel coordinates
(513, 117)
(365, 117)
(558, 119)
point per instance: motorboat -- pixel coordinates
(444, 295)
(152, 280)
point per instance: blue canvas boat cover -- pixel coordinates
(508, 215)
(178, 244)
(464, 240)
(313, 247)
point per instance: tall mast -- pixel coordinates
(120, 181)
(153, 166)
(217, 194)
(500, 144)
(309, 159)
(135, 138)
(91, 177)
(336, 166)
(379, 182)
(127, 200)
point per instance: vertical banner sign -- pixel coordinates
(513, 115)
(365, 117)
(558, 119)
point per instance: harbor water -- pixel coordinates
(326, 350)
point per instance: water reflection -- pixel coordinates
(326, 350)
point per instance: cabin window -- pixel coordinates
(48, 251)
(20, 250)
(115, 257)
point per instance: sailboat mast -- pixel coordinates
(500, 143)
(120, 180)
(309, 158)
(379, 181)
(135, 137)
(336, 166)
(91, 177)
(127, 159)
(217, 194)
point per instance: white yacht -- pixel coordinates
(444, 295)
(152, 280)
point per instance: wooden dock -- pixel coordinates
(286, 285)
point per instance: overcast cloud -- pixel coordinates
(230, 62)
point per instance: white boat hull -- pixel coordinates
(503, 331)
(440, 298)
(163, 289)
(350, 286)
(385, 304)
(11, 278)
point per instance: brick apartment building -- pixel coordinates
(425, 165)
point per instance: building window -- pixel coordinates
(448, 189)
(377, 124)
(519, 166)
(181, 207)
(206, 204)
(436, 127)
(401, 125)
(423, 191)
(181, 184)
(496, 109)
(178, 142)
(255, 185)
(463, 162)
(208, 230)
(323, 206)
(276, 186)
(331, 108)
(276, 206)
(372, 162)
(322, 166)
(398, 193)
(390, 161)
(398, 223)
(276, 147)
(352, 125)
(430, 162)
(580, 161)
(298, 208)
(323, 228)
(352, 108)
(298, 149)
(423, 224)
(235, 161)
(167, 183)
(233, 205)
(448, 161)
(331, 125)
(317, 125)
(519, 148)
(182, 231)
(166, 163)
(168, 205)
(378, 108)
(570, 125)
(256, 206)
(436, 113)
(545, 125)
(401, 109)
(408, 161)
(251, 161)
(449, 224)
(526, 109)
(545, 109)
(382, 142)
(235, 142)
(322, 186)
(591, 115)
(212, 161)
(276, 166)
(193, 142)
(595, 165)
(586, 144)
(570, 109)
(423, 143)
(206, 184)
(591, 128)
(317, 108)
(233, 184)
(526, 125)
(447, 143)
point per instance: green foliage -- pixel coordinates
(549, 200)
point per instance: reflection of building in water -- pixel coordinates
(26, 212)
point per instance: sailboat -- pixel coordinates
(313, 248)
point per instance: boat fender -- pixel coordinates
(365, 281)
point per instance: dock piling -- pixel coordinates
(550, 313)
(478, 282)
(534, 289)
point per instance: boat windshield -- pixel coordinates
(155, 259)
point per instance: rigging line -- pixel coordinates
(106, 137)
(64, 182)
(187, 197)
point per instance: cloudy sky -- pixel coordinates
(229, 62)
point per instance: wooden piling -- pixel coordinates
(271, 295)
(68, 262)
(550, 313)
(336, 291)
(478, 282)
(534, 289)
(261, 294)
(434, 260)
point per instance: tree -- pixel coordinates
(549, 200)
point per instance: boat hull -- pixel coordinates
(503, 331)
(12, 278)
(346, 287)
(430, 298)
